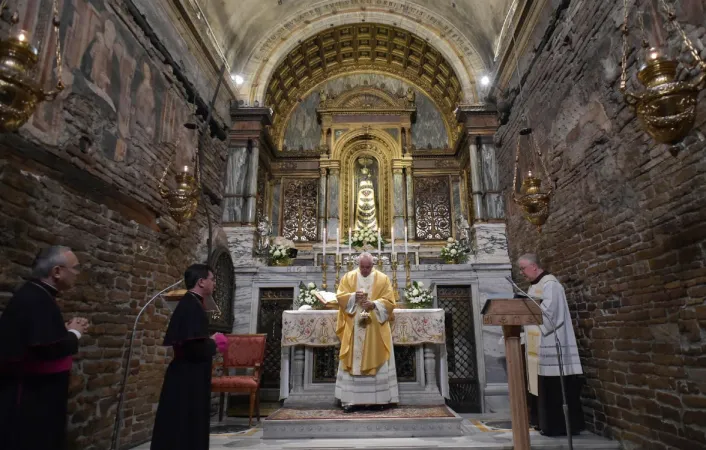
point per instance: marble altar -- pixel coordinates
(423, 328)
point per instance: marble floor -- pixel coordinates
(480, 432)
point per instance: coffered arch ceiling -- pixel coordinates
(260, 34)
(355, 48)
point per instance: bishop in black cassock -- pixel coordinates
(36, 356)
(184, 410)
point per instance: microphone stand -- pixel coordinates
(565, 406)
(119, 413)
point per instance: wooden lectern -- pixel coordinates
(511, 314)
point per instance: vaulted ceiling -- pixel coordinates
(259, 36)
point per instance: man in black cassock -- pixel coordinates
(36, 356)
(184, 410)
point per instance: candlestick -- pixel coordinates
(408, 270)
(405, 241)
(395, 287)
(323, 275)
(379, 244)
(324, 244)
(338, 242)
(392, 241)
(350, 240)
(338, 271)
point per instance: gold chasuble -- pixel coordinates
(377, 343)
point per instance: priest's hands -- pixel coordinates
(367, 305)
(79, 324)
(360, 297)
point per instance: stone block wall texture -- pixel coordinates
(84, 172)
(627, 231)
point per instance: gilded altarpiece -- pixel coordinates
(433, 207)
(363, 128)
(299, 209)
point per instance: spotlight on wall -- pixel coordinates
(237, 78)
(485, 80)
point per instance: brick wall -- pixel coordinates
(626, 234)
(84, 173)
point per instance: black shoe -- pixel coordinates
(349, 409)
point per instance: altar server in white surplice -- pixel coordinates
(366, 370)
(542, 358)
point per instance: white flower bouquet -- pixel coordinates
(454, 252)
(307, 296)
(281, 252)
(417, 297)
(366, 239)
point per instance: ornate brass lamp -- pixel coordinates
(183, 200)
(20, 92)
(667, 107)
(533, 201)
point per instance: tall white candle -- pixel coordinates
(324, 244)
(350, 240)
(392, 240)
(405, 240)
(378, 242)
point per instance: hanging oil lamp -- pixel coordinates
(20, 92)
(183, 200)
(533, 201)
(666, 107)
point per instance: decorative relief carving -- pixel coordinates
(299, 210)
(444, 163)
(432, 207)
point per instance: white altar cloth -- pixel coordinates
(317, 328)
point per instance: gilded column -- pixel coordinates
(322, 202)
(476, 186)
(411, 222)
(251, 196)
(332, 203)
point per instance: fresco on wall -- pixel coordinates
(125, 105)
(303, 131)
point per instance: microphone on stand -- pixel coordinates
(119, 413)
(565, 405)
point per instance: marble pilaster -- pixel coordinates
(456, 200)
(494, 202)
(476, 185)
(411, 221)
(490, 242)
(276, 199)
(333, 213)
(251, 199)
(235, 188)
(321, 211)
(243, 302)
(398, 188)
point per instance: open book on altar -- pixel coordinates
(327, 298)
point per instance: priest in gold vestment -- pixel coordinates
(366, 369)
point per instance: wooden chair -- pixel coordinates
(244, 351)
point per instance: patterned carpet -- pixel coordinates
(403, 412)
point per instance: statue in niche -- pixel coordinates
(264, 230)
(411, 95)
(366, 198)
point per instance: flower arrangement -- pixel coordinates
(307, 297)
(454, 252)
(366, 239)
(281, 252)
(417, 297)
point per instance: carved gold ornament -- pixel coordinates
(533, 201)
(667, 107)
(183, 200)
(20, 92)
